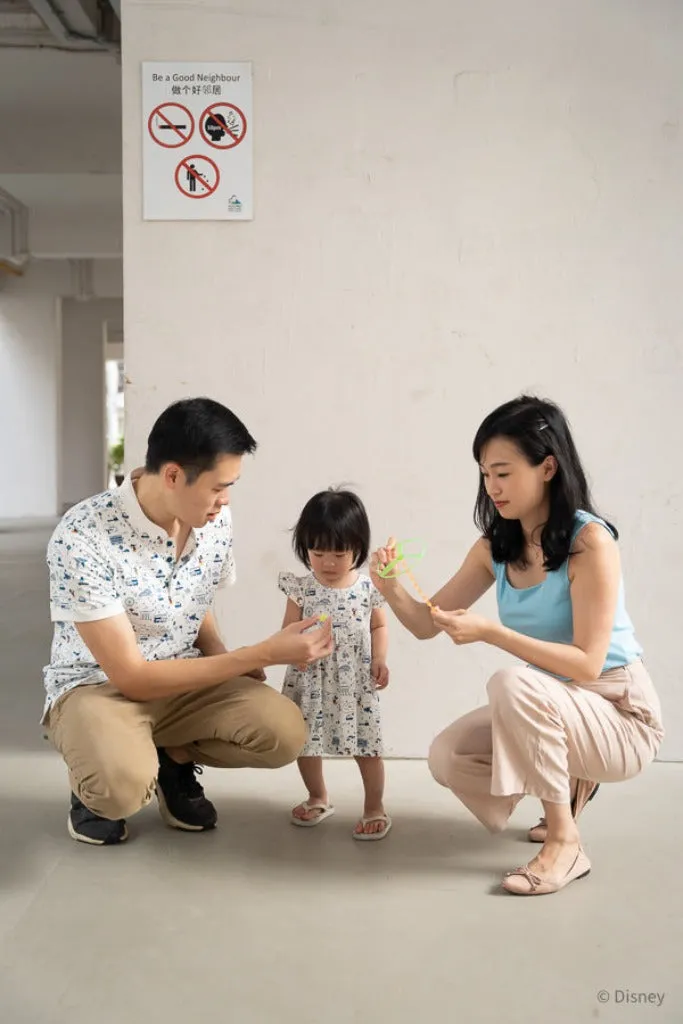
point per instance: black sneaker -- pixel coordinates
(86, 827)
(182, 803)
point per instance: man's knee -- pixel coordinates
(289, 734)
(117, 791)
(274, 729)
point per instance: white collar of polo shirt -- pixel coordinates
(129, 500)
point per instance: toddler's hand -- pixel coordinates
(380, 674)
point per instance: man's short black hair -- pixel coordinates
(195, 433)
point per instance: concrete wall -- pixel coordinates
(83, 396)
(454, 202)
(30, 354)
(34, 393)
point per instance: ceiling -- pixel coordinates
(61, 24)
(60, 110)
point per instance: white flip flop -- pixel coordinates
(325, 809)
(373, 836)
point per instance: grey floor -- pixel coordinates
(261, 923)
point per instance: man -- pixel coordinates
(141, 690)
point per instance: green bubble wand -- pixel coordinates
(398, 566)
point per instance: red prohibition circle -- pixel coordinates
(159, 110)
(207, 138)
(185, 162)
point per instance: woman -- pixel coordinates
(581, 708)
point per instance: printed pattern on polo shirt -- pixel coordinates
(105, 558)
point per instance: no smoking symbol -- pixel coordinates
(170, 125)
(223, 125)
(197, 177)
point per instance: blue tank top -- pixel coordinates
(544, 611)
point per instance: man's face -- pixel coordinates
(202, 501)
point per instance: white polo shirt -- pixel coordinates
(106, 557)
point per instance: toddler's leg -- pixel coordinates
(317, 806)
(375, 822)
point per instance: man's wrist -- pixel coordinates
(256, 656)
(264, 655)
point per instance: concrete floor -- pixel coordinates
(261, 923)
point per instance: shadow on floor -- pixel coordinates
(254, 836)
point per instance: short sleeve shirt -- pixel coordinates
(106, 558)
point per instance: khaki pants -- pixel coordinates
(537, 732)
(109, 742)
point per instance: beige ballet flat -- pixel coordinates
(523, 881)
(585, 791)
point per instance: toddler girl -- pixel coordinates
(338, 696)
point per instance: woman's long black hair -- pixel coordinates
(539, 429)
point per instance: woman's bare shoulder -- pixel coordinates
(593, 537)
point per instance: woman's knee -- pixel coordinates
(468, 736)
(510, 685)
(439, 757)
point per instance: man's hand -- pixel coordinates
(293, 646)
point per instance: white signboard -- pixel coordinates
(197, 158)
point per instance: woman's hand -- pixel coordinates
(462, 626)
(379, 559)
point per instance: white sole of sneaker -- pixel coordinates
(92, 842)
(173, 822)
